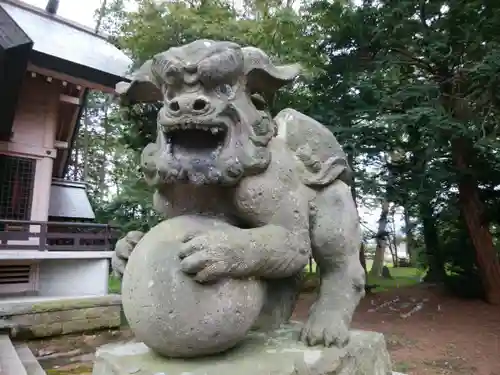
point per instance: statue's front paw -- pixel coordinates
(325, 328)
(210, 257)
(123, 249)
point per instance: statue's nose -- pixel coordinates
(188, 106)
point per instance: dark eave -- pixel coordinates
(15, 50)
(72, 69)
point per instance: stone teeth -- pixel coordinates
(192, 125)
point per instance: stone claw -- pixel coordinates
(209, 258)
(187, 251)
(203, 265)
(325, 328)
(213, 272)
(123, 249)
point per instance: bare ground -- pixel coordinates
(441, 335)
(445, 336)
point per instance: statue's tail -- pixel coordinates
(320, 156)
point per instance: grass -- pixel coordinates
(403, 367)
(311, 267)
(114, 285)
(80, 370)
(402, 277)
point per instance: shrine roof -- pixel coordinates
(67, 47)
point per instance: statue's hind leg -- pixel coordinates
(281, 298)
(336, 237)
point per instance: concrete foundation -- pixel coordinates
(55, 273)
(44, 316)
(73, 277)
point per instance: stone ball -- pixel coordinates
(174, 315)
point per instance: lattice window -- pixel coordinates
(18, 277)
(17, 177)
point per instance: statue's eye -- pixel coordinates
(259, 102)
(168, 92)
(170, 68)
(225, 89)
(172, 72)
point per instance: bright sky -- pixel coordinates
(83, 12)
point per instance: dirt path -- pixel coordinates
(446, 336)
(74, 354)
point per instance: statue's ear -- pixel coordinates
(263, 76)
(141, 88)
(269, 79)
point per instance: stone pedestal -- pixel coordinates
(276, 353)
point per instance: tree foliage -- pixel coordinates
(408, 87)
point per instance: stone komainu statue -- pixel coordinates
(284, 181)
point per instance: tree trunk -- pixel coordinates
(76, 159)
(115, 176)
(435, 260)
(395, 257)
(410, 240)
(393, 253)
(472, 210)
(362, 257)
(102, 172)
(382, 235)
(86, 140)
(378, 259)
(100, 16)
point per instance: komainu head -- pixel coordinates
(214, 125)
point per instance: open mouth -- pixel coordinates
(196, 139)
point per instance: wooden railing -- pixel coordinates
(56, 236)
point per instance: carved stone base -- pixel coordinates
(277, 352)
